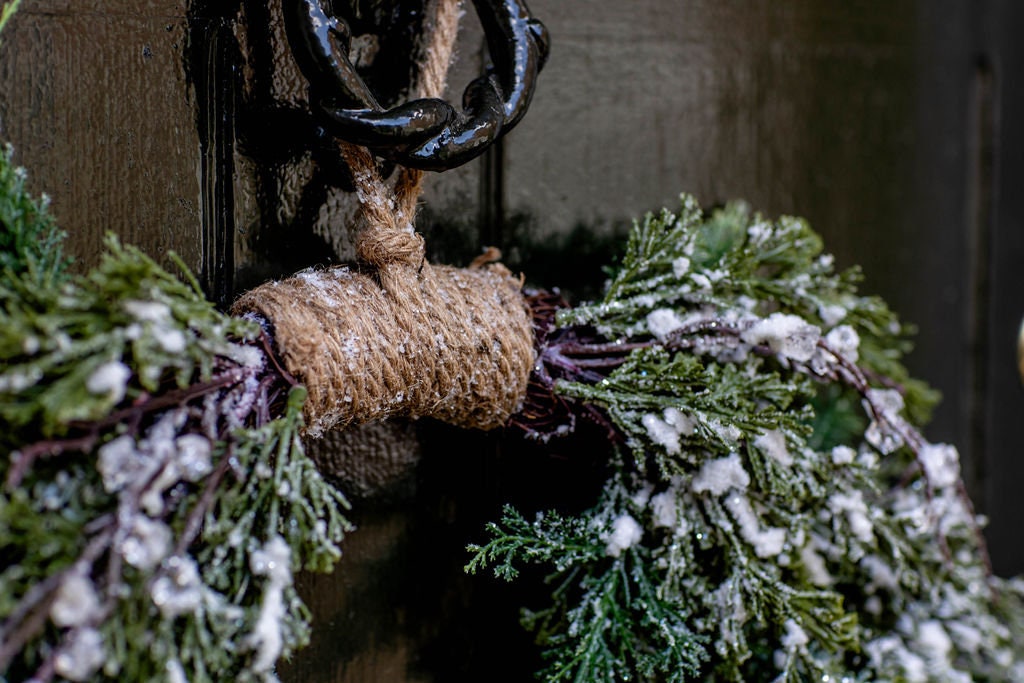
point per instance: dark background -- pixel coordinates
(894, 126)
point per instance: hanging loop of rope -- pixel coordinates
(426, 132)
(399, 336)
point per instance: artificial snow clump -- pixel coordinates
(790, 336)
(109, 379)
(843, 455)
(680, 266)
(888, 402)
(766, 542)
(720, 475)
(273, 560)
(844, 341)
(941, 463)
(81, 655)
(117, 462)
(148, 543)
(663, 322)
(666, 430)
(76, 603)
(831, 314)
(626, 532)
(856, 510)
(193, 456)
(663, 509)
(170, 339)
(175, 672)
(795, 636)
(814, 564)
(147, 311)
(773, 442)
(179, 590)
(661, 433)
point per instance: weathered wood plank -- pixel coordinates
(799, 107)
(98, 108)
(1004, 404)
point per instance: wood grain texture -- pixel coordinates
(1003, 406)
(98, 107)
(798, 107)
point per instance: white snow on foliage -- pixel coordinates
(795, 636)
(663, 322)
(934, 640)
(193, 456)
(147, 544)
(179, 589)
(76, 602)
(273, 560)
(887, 401)
(159, 459)
(831, 314)
(175, 672)
(170, 340)
(147, 311)
(845, 341)
(626, 532)
(680, 266)
(81, 655)
(109, 379)
(880, 574)
(663, 509)
(666, 430)
(661, 433)
(856, 510)
(843, 455)
(789, 336)
(814, 565)
(773, 443)
(116, 462)
(941, 464)
(766, 542)
(718, 476)
(885, 406)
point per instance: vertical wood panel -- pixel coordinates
(1005, 399)
(96, 103)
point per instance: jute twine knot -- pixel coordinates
(380, 248)
(398, 336)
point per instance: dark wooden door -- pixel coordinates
(893, 126)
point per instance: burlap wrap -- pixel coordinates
(454, 344)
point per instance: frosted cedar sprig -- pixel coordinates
(213, 406)
(766, 419)
(154, 443)
(579, 354)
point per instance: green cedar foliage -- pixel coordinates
(7, 11)
(773, 512)
(155, 495)
(30, 242)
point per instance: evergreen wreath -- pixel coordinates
(772, 510)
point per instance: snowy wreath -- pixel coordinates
(771, 511)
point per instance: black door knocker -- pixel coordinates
(425, 133)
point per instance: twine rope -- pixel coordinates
(399, 336)
(387, 214)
